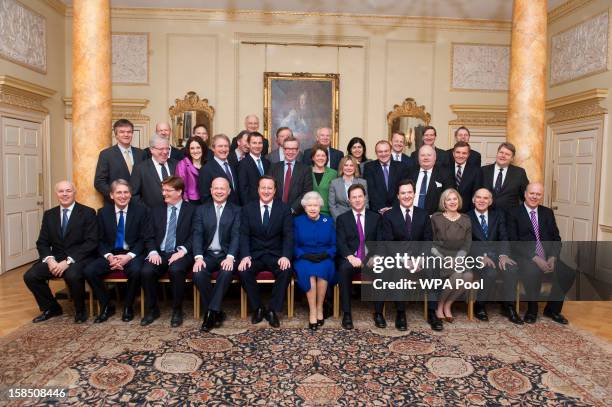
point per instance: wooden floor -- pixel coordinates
(17, 307)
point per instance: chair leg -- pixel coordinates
(425, 306)
(243, 303)
(142, 310)
(196, 303)
(470, 305)
(517, 303)
(336, 301)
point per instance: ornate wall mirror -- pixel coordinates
(410, 119)
(188, 112)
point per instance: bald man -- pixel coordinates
(66, 244)
(164, 130)
(430, 179)
(251, 124)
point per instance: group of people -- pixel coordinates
(221, 208)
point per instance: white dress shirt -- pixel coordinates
(496, 173)
(262, 209)
(420, 181)
(158, 168)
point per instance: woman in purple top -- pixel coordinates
(189, 168)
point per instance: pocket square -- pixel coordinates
(439, 185)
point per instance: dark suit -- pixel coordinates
(204, 227)
(381, 196)
(178, 270)
(274, 156)
(471, 180)
(111, 166)
(79, 243)
(175, 153)
(212, 170)
(232, 158)
(521, 231)
(435, 176)
(248, 177)
(347, 243)
(136, 225)
(442, 158)
(264, 152)
(266, 246)
(406, 160)
(334, 157)
(473, 159)
(513, 187)
(301, 182)
(146, 183)
(497, 232)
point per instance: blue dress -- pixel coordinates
(314, 237)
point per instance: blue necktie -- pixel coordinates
(498, 181)
(386, 174)
(171, 232)
(64, 222)
(485, 227)
(120, 237)
(423, 191)
(266, 217)
(229, 175)
(260, 167)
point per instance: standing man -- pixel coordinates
(122, 229)
(293, 179)
(382, 176)
(168, 245)
(466, 176)
(463, 134)
(164, 130)
(431, 179)
(266, 243)
(216, 238)
(219, 166)
(66, 244)
(251, 168)
(537, 246)
(279, 153)
(507, 182)
(251, 124)
(324, 139)
(117, 161)
(398, 143)
(242, 150)
(353, 229)
(429, 139)
(148, 174)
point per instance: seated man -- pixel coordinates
(122, 229)
(66, 244)
(266, 243)
(353, 229)
(489, 225)
(168, 243)
(216, 236)
(535, 223)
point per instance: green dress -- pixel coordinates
(323, 187)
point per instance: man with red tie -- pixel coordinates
(293, 178)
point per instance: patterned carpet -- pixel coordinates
(469, 363)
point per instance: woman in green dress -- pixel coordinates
(322, 175)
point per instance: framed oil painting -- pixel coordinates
(303, 102)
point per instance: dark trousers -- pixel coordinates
(562, 280)
(99, 268)
(509, 280)
(177, 271)
(248, 279)
(37, 279)
(211, 298)
(345, 272)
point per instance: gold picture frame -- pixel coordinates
(303, 102)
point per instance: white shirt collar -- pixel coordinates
(530, 209)
(497, 168)
(255, 158)
(156, 163)
(124, 149)
(261, 205)
(362, 213)
(70, 208)
(117, 209)
(176, 205)
(220, 162)
(411, 209)
(485, 213)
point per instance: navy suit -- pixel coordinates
(248, 178)
(334, 157)
(204, 227)
(471, 180)
(266, 246)
(146, 182)
(380, 195)
(406, 160)
(136, 227)
(473, 159)
(179, 269)
(212, 170)
(347, 243)
(436, 176)
(513, 188)
(112, 166)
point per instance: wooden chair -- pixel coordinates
(267, 277)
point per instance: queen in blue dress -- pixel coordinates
(314, 251)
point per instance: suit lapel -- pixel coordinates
(128, 219)
(76, 211)
(119, 157)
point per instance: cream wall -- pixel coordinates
(602, 80)
(53, 79)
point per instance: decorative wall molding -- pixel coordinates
(580, 50)
(57, 5)
(577, 106)
(479, 115)
(605, 228)
(130, 109)
(481, 67)
(130, 56)
(566, 8)
(23, 94)
(24, 36)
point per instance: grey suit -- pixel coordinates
(274, 156)
(146, 184)
(338, 198)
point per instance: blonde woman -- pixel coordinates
(348, 174)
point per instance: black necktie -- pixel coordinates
(164, 171)
(408, 222)
(498, 181)
(266, 217)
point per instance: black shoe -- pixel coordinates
(177, 318)
(512, 315)
(347, 321)
(272, 319)
(107, 312)
(219, 318)
(150, 317)
(379, 320)
(313, 327)
(80, 317)
(50, 313)
(480, 312)
(258, 315)
(530, 318)
(128, 314)
(209, 321)
(400, 321)
(320, 322)
(557, 317)
(433, 321)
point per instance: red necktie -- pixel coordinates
(287, 183)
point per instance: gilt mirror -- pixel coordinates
(188, 112)
(410, 119)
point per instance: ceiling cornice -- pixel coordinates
(565, 9)
(58, 6)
